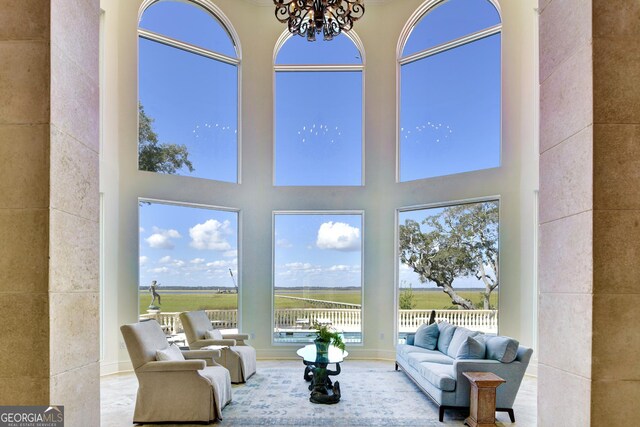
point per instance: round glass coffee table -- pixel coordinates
(321, 387)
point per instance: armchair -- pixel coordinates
(192, 390)
(238, 357)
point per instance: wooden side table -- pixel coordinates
(482, 407)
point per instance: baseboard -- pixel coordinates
(110, 368)
(532, 369)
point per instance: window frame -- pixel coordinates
(274, 213)
(401, 60)
(287, 68)
(216, 13)
(443, 204)
(240, 227)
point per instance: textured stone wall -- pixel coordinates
(49, 202)
(589, 212)
(24, 202)
(74, 201)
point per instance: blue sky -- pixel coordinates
(450, 123)
(318, 250)
(187, 246)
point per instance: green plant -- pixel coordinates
(406, 296)
(326, 334)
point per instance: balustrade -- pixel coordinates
(344, 319)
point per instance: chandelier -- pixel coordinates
(307, 18)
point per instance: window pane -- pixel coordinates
(340, 50)
(450, 111)
(317, 275)
(192, 254)
(451, 20)
(319, 130)
(449, 263)
(193, 101)
(188, 23)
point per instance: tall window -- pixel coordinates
(318, 112)
(450, 97)
(317, 275)
(189, 257)
(188, 93)
(449, 263)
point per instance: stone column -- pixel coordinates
(49, 240)
(24, 202)
(589, 212)
(74, 211)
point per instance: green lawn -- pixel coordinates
(174, 302)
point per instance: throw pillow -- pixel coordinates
(171, 353)
(446, 334)
(213, 334)
(427, 336)
(471, 349)
(503, 349)
(459, 337)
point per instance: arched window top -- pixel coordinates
(298, 51)
(450, 20)
(189, 23)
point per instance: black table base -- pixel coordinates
(323, 390)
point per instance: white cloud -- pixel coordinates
(299, 266)
(340, 267)
(144, 260)
(161, 239)
(283, 243)
(339, 236)
(230, 254)
(211, 235)
(159, 270)
(178, 263)
(141, 230)
(222, 263)
(165, 259)
(197, 261)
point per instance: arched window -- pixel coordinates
(188, 92)
(450, 90)
(318, 111)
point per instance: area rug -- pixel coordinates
(373, 394)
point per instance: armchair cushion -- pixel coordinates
(427, 336)
(173, 366)
(171, 353)
(213, 334)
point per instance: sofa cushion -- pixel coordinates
(404, 350)
(441, 376)
(427, 336)
(446, 334)
(410, 339)
(503, 349)
(459, 337)
(431, 357)
(471, 349)
(171, 353)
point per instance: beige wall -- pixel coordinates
(515, 182)
(589, 213)
(49, 206)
